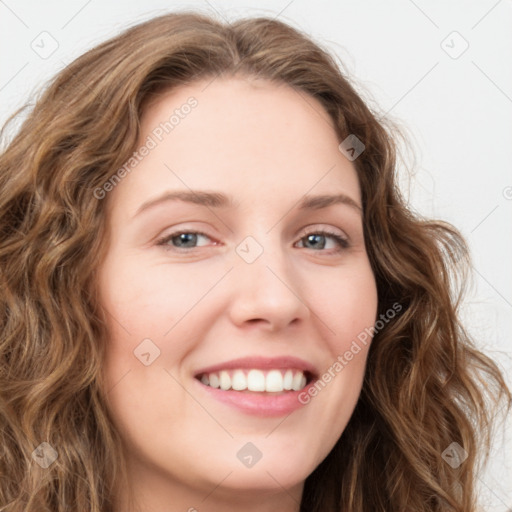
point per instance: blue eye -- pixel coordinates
(188, 238)
(183, 240)
(313, 238)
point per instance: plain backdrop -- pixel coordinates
(442, 70)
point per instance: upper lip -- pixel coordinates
(262, 363)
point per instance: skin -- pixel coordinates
(266, 146)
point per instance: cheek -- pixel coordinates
(144, 301)
(348, 310)
(140, 309)
(347, 305)
(147, 300)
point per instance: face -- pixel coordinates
(251, 280)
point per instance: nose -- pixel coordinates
(267, 291)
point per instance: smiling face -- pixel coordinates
(193, 283)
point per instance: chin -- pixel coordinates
(276, 472)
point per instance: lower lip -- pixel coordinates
(259, 404)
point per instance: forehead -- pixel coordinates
(243, 108)
(242, 136)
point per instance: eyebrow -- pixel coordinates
(220, 200)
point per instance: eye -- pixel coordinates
(181, 240)
(318, 240)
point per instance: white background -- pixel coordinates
(457, 113)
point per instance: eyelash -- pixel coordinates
(341, 241)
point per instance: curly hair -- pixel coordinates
(426, 384)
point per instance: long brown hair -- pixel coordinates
(426, 385)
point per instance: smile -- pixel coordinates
(255, 380)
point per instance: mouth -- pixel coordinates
(272, 381)
(259, 386)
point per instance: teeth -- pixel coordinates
(288, 380)
(256, 380)
(239, 381)
(272, 381)
(225, 381)
(297, 382)
(213, 378)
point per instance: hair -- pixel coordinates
(426, 384)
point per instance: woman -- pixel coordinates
(215, 297)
